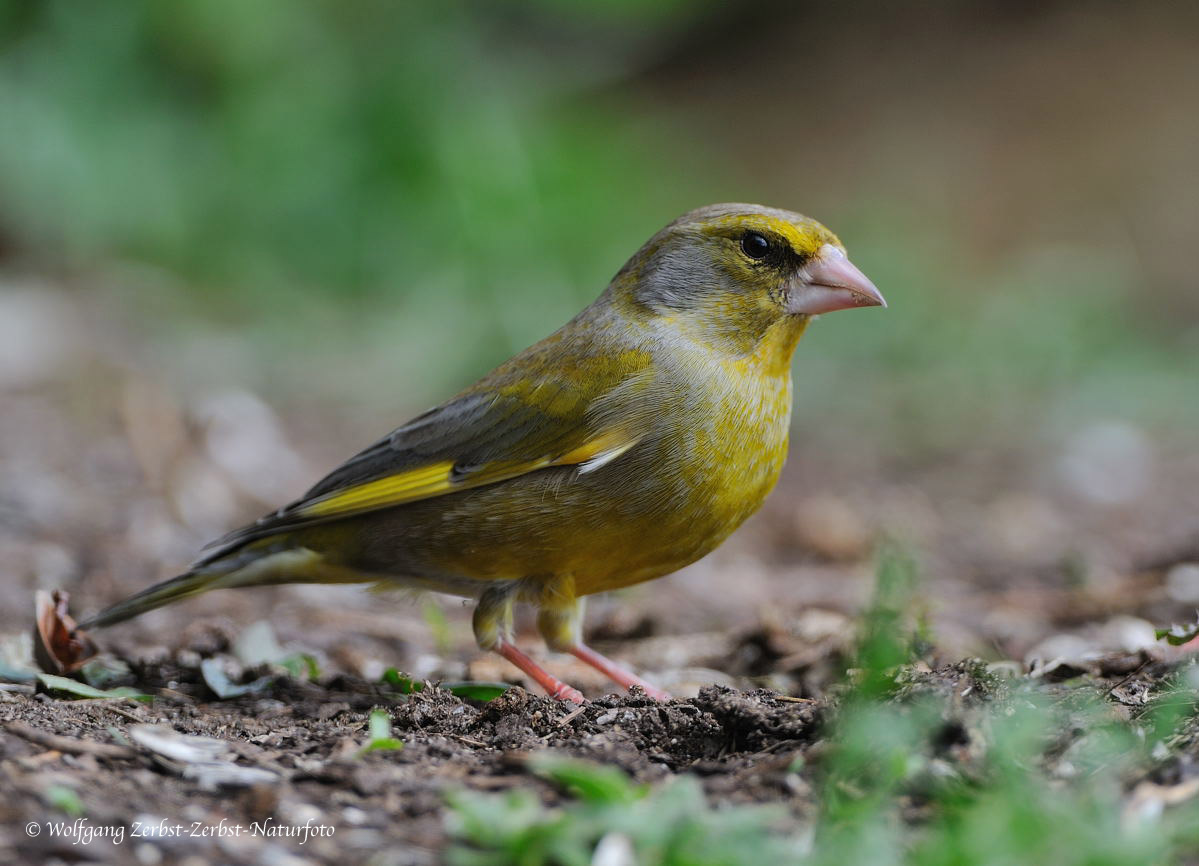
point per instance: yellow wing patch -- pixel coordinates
(395, 489)
(437, 479)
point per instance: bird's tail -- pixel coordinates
(247, 568)
(183, 586)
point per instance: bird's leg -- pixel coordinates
(615, 672)
(560, 622)
(553, 686)
(493, 630)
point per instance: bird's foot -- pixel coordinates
(615, 672)
(553, 686)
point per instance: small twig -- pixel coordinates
(572, 715)
(133, 717)
(1128, 678)
(69, 745)
(791, 700)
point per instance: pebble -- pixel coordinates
(1182, 582)
(1107, 463)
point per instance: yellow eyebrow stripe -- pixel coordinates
(391, 490)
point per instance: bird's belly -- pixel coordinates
(602, 547)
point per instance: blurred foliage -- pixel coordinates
(280, 145)
(273, 152)
(672, 826)
(325, 194)
(884, 643)
(1021, 354)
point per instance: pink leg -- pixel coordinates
(553, 686)
(615, 672)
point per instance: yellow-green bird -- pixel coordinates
(624, 446)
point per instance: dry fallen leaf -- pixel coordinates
(59, 647)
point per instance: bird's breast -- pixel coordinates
(738, 446)
(716, 457)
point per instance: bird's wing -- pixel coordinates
(484, 436)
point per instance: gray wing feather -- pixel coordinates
(472, 430)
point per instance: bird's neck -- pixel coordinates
(771, 354)
(758, 337)
(767, 350)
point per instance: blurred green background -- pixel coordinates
(369, 204)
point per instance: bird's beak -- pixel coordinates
(831, 282)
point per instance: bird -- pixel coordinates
(627, 444)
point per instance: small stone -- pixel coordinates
(1108, 463)
(1182, 582)
(829, 527)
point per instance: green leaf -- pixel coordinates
(64, 799)
(82, 690)
(301, 665)
(101, 671)
(672, 825)
(1177, 635)
(885, 644)
(593, 783)
(402, 683)
(476, 690)
(380, 734)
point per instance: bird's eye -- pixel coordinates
(755, 245)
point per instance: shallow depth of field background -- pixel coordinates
(239, 241)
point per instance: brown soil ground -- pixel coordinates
(304, 740)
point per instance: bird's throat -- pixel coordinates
(772, 354)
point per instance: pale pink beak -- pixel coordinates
(831, 282)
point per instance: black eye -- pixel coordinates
(755, 245)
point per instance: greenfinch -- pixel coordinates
(624, 446)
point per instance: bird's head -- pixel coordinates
(730, 274)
